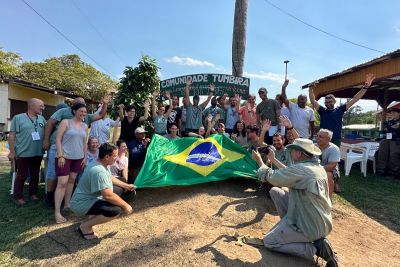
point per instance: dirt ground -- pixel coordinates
(195, 225)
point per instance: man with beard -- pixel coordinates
(331, 117)
(26, 141)
(302, 117)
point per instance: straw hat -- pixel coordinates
(305, 145)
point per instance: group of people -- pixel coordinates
(302, 175)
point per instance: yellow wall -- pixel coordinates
(22, 93)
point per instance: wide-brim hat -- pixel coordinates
(305, 145)
(140, 130)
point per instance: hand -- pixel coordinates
(212, 88)
(146, 141)
(237, 97)
(129, 187)
(234, 136)
(127, 209)
(256, 156)
(84, 161)
(314, 84)
(11, 156)
(217, 117)
(225, 95)
(188, 81)
(61, 162)
(168, 94)
(266, 126)
(369, 79)
(46, 144)
(155, 94)
(285, 121)
(106, 99)
(121, 106)
(271, 155)
(146, 104)
(285, 83)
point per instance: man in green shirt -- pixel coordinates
(305, 209)
(26, 141)
(94, 194)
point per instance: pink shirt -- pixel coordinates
(249, 115)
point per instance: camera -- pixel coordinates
(263, 150)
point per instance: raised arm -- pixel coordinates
(146, 111)
(121, 113)
(285, 121)
(285, 100)
(153, 103)
(103, 111)
(368, 81)
(210, 95)
(237, 97)
(265, 128)
(115, 132)
(186, 100)
(312, 96)
(168, 96)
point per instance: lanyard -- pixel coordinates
(35, 124)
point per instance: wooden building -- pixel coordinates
(15, 92)
(345, 84)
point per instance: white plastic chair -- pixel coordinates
(371, 147)
(351, 154)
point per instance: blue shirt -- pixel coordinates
(331, 119)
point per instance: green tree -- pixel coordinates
(10, 64)
(137, 84)
(69, 73)
(351, 115)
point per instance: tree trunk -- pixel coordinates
(239, 37)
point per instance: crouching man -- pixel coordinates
(94, 194)
(305, 209)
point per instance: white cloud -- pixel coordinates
(188, 61)
(397, 28)
(262, 75)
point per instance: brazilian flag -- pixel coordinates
(190, 160)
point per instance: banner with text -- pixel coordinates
(223, 83)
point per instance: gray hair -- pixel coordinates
(328, 132)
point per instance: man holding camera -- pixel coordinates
(305, 209)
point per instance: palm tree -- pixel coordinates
(239, 37)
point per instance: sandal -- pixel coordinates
(86, 236)
(60, 220)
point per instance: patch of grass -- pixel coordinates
(17, 224)
(376, 196)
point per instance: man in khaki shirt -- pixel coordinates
(305, 209)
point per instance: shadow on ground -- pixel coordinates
(247, 194)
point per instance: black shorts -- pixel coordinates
(101, 207)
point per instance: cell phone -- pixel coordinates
(263, 150)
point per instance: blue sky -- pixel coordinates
(187, 37)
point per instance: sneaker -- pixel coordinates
(325, 251)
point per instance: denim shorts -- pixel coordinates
(51, 163)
